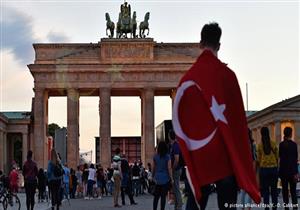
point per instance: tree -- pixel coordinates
(51, 129)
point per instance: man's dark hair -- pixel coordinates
(287, 132)
(210, 35)
(118, 151)
(265, 139)
(162, 148)
(29, 154)
(172, 135)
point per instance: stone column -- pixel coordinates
(272, 131)
(24, 146)
(105, 127)
(297, 133)
(40, 99)
(73, 128)
(5, 165)
(1, 150)
(277, 131)
(148, 126)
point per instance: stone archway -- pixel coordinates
(112, 67)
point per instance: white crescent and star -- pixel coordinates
(216, 109)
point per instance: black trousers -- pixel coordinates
(128, 191)
(30, 188)
(285, 181)
(161, 192)
(55, 189)
(226, 190)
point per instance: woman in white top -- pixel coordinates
(91, 180)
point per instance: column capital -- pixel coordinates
(105, 89)
(148, 92)
(72, 91)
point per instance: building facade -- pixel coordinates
(15, 138)
(276, 117)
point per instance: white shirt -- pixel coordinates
(92, 173)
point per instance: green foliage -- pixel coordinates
(51, 129)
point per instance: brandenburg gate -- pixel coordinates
(112, 67)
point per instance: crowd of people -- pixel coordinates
(226, 161)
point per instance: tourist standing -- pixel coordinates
(136, 182)
(55, 175)
(162, 175)
(100, 178)
(79, 182)
(110, 183)
(14, 179)
(288, 168)
(126, 185)
(117, 176)
(66, 180)
(85, 175)
(267, 158)
(41, 185)
(91, 181)
(30, 172)
(73, 180)
(176, 169)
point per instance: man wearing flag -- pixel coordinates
(209, 121)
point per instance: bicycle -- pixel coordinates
(9, 200)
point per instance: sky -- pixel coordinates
(260, 43)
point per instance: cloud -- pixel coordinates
(17, 34)
(57, 37)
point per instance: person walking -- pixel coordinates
(267, 159)
(55, 175)
(30, 172)
(288, 168)
(117, 176)
(162, 175)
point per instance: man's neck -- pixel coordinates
(211, 50)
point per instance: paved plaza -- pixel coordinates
(144, 203)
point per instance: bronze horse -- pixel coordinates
(144, 25)
(109, 26)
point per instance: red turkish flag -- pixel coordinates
(209, 121)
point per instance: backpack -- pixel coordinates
(58, 170)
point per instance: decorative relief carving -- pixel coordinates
(128, 50)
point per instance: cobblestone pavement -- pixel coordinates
(144, 203)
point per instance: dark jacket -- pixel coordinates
(30, 171)
(288, 158)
